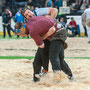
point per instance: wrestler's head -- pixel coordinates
(27, 13)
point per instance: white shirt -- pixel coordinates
(87, 11)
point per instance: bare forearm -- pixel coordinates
(53, 12)
(49, 33)
(45, 36)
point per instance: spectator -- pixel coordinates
(5, 22)
(80, 2)
(39, 3)
(84, 25)
(72, 26)
(57, 3)
(49, 3)
(8, 2)
(69, 2)
(10, 19)
(87, 1)
(42, 3)
(62, 22)
(19, 18)
(53, 1)
(86, 19)
(27, 6)
(31, 4)
(75, 7)
(83, 6)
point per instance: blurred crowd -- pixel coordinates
(76, 6)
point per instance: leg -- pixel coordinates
(85, 30)
(72, 29)
(8, 30)
(37, 66)
(68, 28)
(41, 59)
(54, 55)
(88, 33)
(17, 36)
(64, 66)
(4, 32)
(44, 53)
(11, 28)
(37, 62)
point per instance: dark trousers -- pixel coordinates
(8, 30)
(41, 58)
(56, 56)
(73, 29)
(85, 30)
(54, 51)
(11, 28)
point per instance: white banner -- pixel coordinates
(64, 10)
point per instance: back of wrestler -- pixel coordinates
(34, 27)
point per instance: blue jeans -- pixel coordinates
(71, 29)
(56, 56)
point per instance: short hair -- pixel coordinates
(23, 11)
(72, 18)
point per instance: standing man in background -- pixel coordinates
(5, 22)
(10, 19)
(86, 18)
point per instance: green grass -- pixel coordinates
(31, 57)
(16, 57)
(77, 57)
(13, 37)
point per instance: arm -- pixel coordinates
(38, 39)
(53, 12)
(49, 33)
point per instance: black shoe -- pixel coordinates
(36, 78)
(88, 41)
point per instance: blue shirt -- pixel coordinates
(19, 18)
